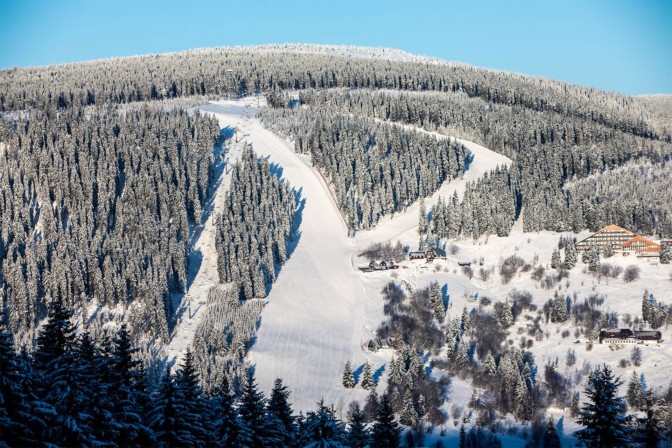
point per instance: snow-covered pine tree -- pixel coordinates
(506, 317)
(646, 307)
(165, 418)
(665, 254)
(348, 377)
(408, 415)
(551, 438)
(608, 250)
(17, 421)
(555, 259)
(594, 263)
(635, 392)
(603, 417)
(489, 364)
(367, 377)
(422, 218)
(465, 323)
(462, 358)
(570, 253)
(558, 308)
(252, 411)
(225, 422)
(385, 433)
(651, 430)
(586, 256)
(436, 298)
(358, 434)
(279, 411)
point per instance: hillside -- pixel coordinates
(212, 214)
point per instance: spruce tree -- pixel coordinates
(385, 433)
(422, 218)
(635, 392)
(348, 377)
(251, 410)
(280, 409)
(653, 425)
(489, 365)
(462, 358)
(551, 438)
(555, 259)
(225, 422)
(165, 418)
(570, 254)
(608, 250)
(646, 307)
(506, 318)
(436, 300)
(322, 429)
(17, 421)
(558, 308)
(603, 417)
(367, 377)
(358, 434)
(665, 254)
(408, 415)
(594, 263)
(189, 397)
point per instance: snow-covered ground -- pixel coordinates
(202, 274)
(322, 309)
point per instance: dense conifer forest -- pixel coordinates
(375, 168)
(106, 175)
(98, 203)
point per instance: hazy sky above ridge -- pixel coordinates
(615, 45)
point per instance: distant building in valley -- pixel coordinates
(623, 241)
(612, 234)
(641, 247)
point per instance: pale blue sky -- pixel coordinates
(616, 45)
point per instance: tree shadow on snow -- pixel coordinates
(467, 162)
(444, 295)
(357, 373)
(276, 170)
(377, 374)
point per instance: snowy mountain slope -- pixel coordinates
(203, 258)
(321, 310)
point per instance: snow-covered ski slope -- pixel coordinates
(321, 310)
(202, 273)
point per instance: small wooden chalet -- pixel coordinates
(377, 344)
(416, 255)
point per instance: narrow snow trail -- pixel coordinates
(202, 273)
(484, 160)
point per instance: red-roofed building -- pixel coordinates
(612, 234)
(641, 247)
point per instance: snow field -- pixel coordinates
(321, 309)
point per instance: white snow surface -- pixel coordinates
(322, 309)
(202, 272)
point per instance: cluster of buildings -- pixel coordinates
(624, 242)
